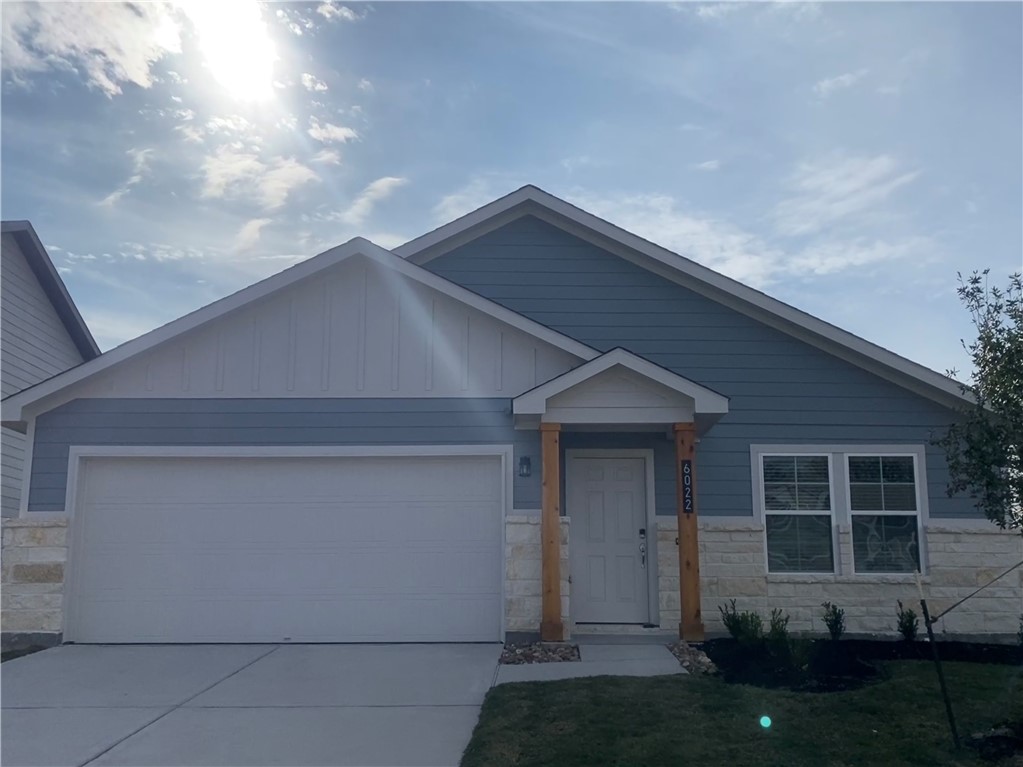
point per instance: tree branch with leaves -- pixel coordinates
(984, 445)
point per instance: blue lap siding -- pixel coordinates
(271, 422)
(781, 390)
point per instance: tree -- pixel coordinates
(985, 446)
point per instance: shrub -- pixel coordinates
(746, 627)
(908, 623)
(778, 628)
(834, 619)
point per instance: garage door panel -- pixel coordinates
(158, 558)
(275, 619)
(217, 480)
(325, 525)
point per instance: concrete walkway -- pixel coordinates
(598, 660)
(205, 705)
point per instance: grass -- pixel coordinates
(702, 720)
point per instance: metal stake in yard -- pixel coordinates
(937, 663)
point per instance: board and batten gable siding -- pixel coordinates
(34, 346)
(279, 421)
(781, 389)
(359, 330)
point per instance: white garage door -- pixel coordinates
(339, 549)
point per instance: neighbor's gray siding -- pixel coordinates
(34, 346)
(271, 422)
(781, 390)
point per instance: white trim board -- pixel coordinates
(14, 406)
(530, 200)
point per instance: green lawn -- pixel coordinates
(703, 721)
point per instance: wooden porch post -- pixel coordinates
(691, 627)
(551, 628)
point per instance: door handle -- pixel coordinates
(642, 553)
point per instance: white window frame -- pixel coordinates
(758, 485)
(918, 495)
(841, 514)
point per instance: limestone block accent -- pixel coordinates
(32, 563)
(522, 584)
(956, 561)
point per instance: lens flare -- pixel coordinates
(765, 722)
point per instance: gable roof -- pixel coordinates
(14, 405)
(531, 200)
(49, 279)
(706, 402)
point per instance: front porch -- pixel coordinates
(611, 431)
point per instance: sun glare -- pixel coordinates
(236, 45)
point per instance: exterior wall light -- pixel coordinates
(525, 466)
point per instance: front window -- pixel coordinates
(884, 513)
(798, 513)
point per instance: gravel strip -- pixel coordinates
(693, 659)
(539, 652)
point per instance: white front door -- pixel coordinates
(609, 559)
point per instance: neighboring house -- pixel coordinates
(41, 334)
(513, 424)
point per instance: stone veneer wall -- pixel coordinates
(522, 582)
(32, 563)
(733, 566)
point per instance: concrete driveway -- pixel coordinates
(244, 704)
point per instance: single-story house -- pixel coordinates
(41, 334)
(527, 421)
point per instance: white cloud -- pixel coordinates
(229, 124)
(333, 10)
(109, 44)
(312, 83)
(473, 195)
(277, 183)
(377, 191)
(365, 85)
(191, 133)
(140, 167)
(248, 235)
(327, 157)
(295, 21)
(836, 256)
(709, 165)
(328, 133)
(714, 11)
(226, 169)
(837, 187)
(738, 253)
(824, 88)
(572, 164)
(389, 240)
(230, 173)
(713, 242)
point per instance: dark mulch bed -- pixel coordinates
(823, 665)
(968, 652)
(1002, 741)
(538, 652)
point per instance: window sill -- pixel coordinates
(899, 578)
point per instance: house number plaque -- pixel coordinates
(687, 486)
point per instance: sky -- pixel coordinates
(848, 159)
